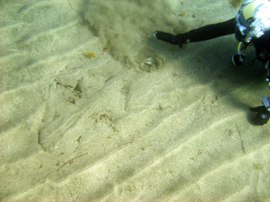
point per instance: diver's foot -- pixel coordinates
(167, 37)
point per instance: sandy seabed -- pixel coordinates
(94, 109)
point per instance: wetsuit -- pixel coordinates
(261, 44)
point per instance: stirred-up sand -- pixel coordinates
(93, 108)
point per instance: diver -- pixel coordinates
(250, 26)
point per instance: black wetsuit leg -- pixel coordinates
(201, 34)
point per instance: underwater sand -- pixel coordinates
(94, 109)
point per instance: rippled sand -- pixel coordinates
(94, 109)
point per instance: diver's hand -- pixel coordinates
(167, 37)
(179, 39)
(262, 115)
